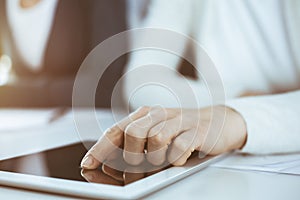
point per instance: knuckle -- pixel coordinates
(112, 135)
(143, 109)
(180, 145)
(154, 131)
(158, 111)
(156, 140)
(112, 131)
(134, 131)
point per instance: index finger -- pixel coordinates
(110, 141)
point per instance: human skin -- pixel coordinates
(25, 4)
(170, 134)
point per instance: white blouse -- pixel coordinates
(255, 46)
(31, 28)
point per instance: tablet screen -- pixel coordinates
(64, 163)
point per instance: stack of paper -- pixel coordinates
(287, 164)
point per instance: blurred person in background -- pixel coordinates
(47, 40)
(255, 46)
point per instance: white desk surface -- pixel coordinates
(210, 183)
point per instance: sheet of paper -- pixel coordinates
(288, 163)
(12, 120)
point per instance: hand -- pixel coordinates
(169, 134)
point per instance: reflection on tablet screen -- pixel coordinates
(64, 163)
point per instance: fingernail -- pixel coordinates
(87, 162)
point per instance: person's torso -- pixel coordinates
(250, 43)
(76, 28)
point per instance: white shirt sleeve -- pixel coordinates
(273, 122)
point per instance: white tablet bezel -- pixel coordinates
(93, 190)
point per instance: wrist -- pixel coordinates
(239, 124)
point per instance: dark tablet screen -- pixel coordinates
(64, 163)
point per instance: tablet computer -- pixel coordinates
(58, 171)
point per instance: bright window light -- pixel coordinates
(5, 69)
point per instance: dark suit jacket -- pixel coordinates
(78, 26)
